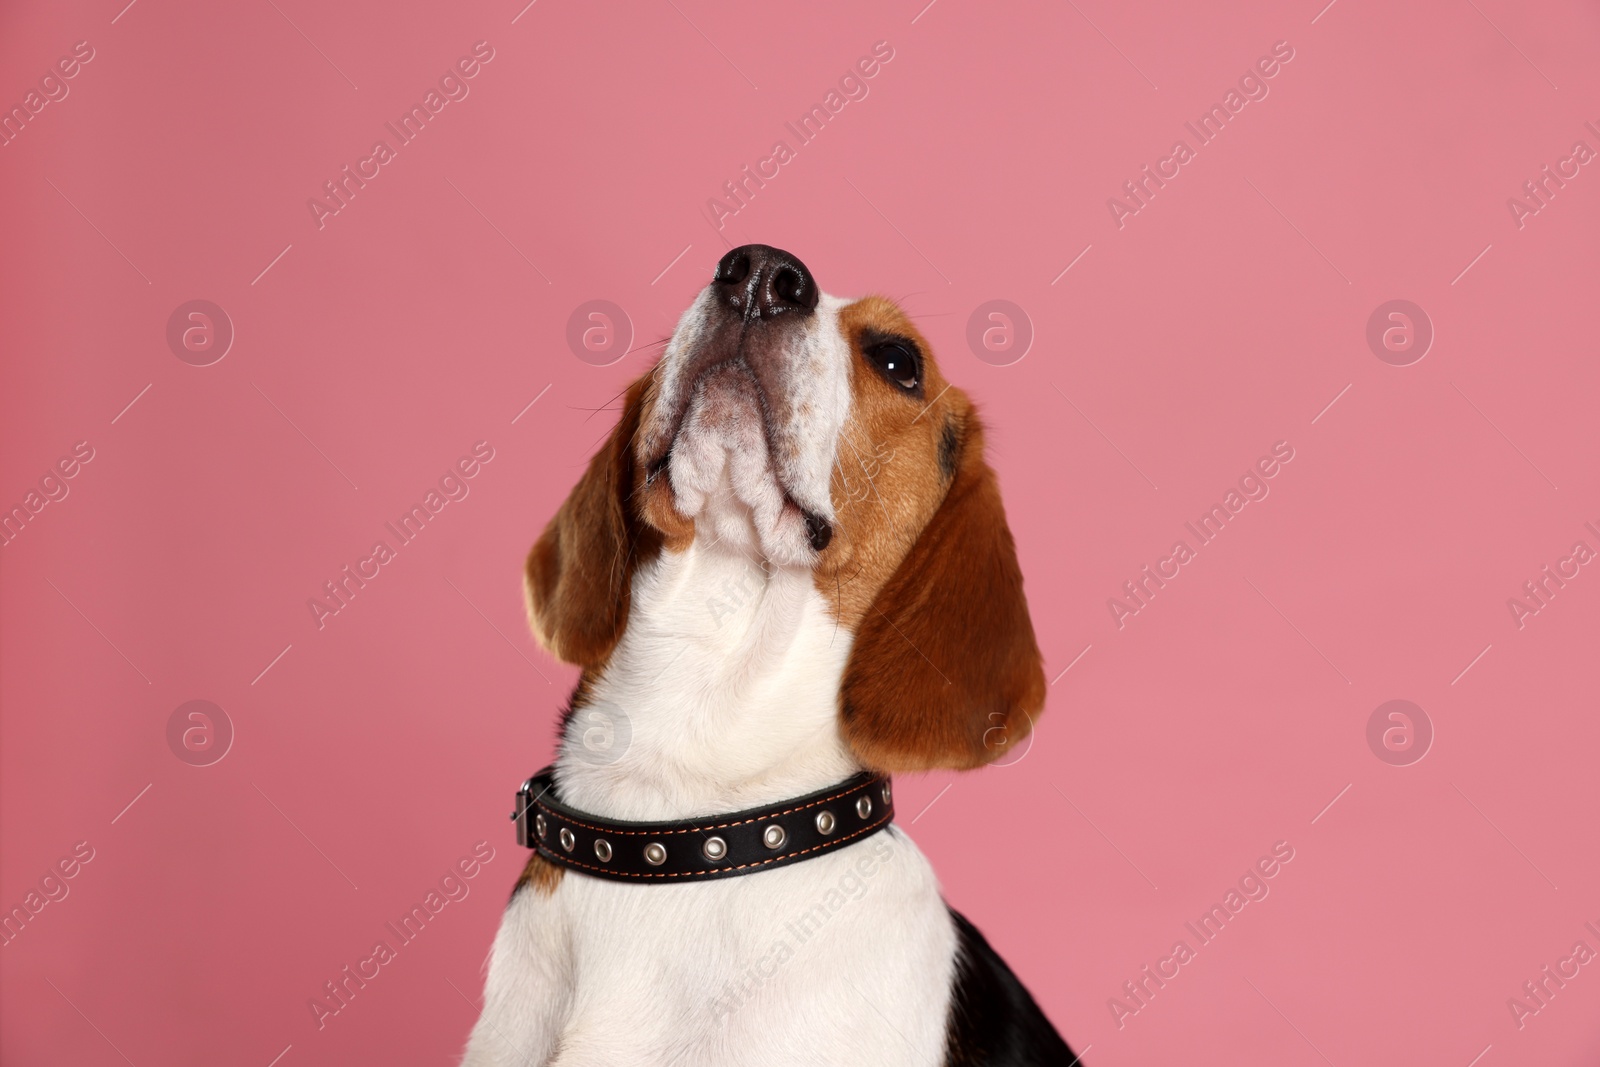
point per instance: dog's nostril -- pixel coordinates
(734, 267)
(819, 531)
(790, 285)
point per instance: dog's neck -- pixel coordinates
(722, 693)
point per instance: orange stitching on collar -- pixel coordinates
(538, 803)
(613, 872)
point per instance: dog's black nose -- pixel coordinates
(763, 282)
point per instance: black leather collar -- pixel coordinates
(719, 846)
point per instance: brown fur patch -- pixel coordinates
(945, 671)
(887, 484)
(579, 573)
(540, 875)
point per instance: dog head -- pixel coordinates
(809, 431)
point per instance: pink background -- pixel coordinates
(1225, 316)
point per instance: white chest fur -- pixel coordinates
(721, 695)
(846, 958)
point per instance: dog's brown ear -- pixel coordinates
(579, 573)
(945, 671)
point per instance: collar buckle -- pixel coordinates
(522, 814)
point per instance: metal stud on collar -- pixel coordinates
(773, 836)
(655, 853)
(714, 849)
(602, 849)
(825, 823)
(540, 827)
(864, 807)
(567, 840)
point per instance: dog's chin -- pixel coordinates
(723, 479)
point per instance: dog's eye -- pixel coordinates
(896, 362)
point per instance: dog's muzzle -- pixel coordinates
(745, 358)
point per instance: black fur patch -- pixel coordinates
(949, 449)
(994, 1022)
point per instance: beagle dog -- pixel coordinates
(786, 575)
